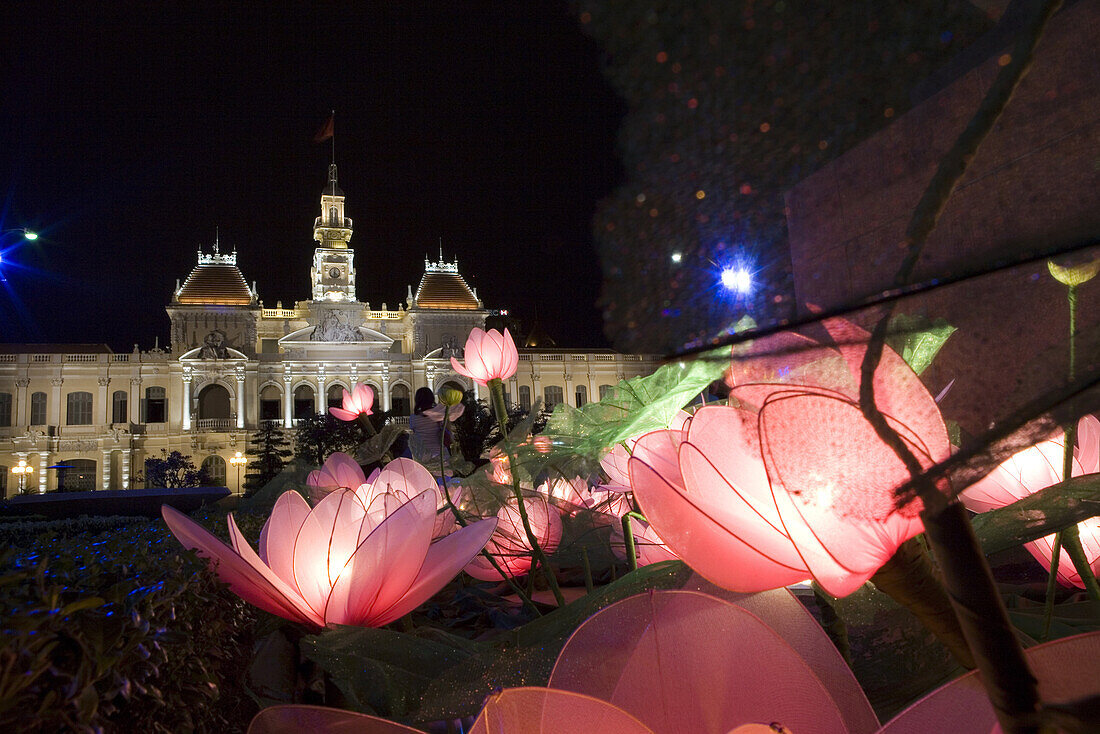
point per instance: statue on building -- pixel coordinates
(214, 346)
(336, 327)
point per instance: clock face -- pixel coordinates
(334, 272)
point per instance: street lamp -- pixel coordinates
(22, 471)
(236, 460)
(27, 234)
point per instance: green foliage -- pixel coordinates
(1047, 511)
(635, 406)
(318, 436)
(477, 430)
(378, 447)
(431, 674)
(918, 339)
(174, 470)
(269, 449)
(119, 631)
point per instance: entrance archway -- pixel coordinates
(214, 402)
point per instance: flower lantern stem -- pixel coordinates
(496, 389)
(1071, 537)
(368, 428)
(908, 579)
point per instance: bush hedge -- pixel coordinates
(118, 629)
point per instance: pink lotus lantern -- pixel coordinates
(648, 546)
(403, 478)
(356, 403)
(489, 355)
(346, 561)
(1038, 467)
(510, 546)
(798, 486)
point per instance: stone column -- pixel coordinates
(386, 387)
(187, 377)
(288, 401)
(124, 482)
(321, 398)
(105, 472)
(135, 400)
(104, 401)
(43, 462)
(22, 410)
(241, 402)
(570, 396)
(55, 401)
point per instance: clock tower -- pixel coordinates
(333, 270)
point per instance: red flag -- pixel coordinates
(326, 130)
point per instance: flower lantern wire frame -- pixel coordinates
(1004, 670)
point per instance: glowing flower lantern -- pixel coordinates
(795, 483)
(356, 403)
(403, 478)
(345, 561)
(648, 546)
(573, 493)
(510, 546)
(1036, 468)
(489, 355)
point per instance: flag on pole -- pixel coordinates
(327, 130)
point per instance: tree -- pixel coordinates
(318, 436)
(269, 449)
(174, 470)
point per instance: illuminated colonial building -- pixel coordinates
(84, 417)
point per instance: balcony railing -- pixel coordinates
(215, 424)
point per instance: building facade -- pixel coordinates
(81, 416)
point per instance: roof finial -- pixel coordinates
(217, 239)
(440, 249)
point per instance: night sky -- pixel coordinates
(130, 131)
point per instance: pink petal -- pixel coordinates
(547, 711)
(614, 464)
(647, 655)
(343, 414)
(1088, 441)
(406, 476)
(444, 560)
(1067, 669)
(320, 720)
(707, 544)
(280, 530)
(833, 482)
(244, 550)
(384, 566)
(245, 580)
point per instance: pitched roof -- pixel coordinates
(215, 283)
(445, 290)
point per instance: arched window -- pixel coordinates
(334, 216)
(38, 409)
(303, 402)
(582, 395)
(335, 396)
(119, 404)
(214, 468)
(214, 402)
(5, 408)
(76, 475)
(271, 403)
(553, 394)
(605, 390)
(525, 397)
(78, 409)
(399, 400)
(156, 405)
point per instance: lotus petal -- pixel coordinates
(547, 711)
(320, 720)
(245, 580)
(685, 661)
(1067, 669)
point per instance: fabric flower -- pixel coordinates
(510, 546)
(356, 403)
(489, 355)
(1038, 467)
(402, 478)
(795, 482)
(346, 561)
